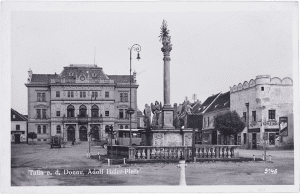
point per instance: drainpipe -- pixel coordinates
(247, 121)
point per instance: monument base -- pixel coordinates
(168, 112)
(171, 139)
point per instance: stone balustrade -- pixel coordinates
(174, 153)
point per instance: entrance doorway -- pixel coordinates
(254, 146)
(70, 133)
(83, 133)
(17, 138)
(95, 132)
(214, 140)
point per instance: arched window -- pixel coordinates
(58, 129)
(44, 129)
(121, 126)
(82, 111)
(95, 111)
(70, 111)
(126, 127)
(39, 129)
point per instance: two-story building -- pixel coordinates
(18, 127)
(215, 105)
(266, 105)
(80, 101)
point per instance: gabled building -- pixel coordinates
(218, 104)
(80, 101)
(18, 127)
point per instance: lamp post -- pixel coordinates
(130, 111)
(90, 134)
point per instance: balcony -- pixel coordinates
(82, 120)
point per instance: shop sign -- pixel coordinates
(207, 131)
(283, 126)
(253, 123)
(271, 122)
(272, 130)
(17, 132)
(254, 130)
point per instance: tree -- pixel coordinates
(229, 123)
(32, 135)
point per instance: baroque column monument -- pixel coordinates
(166, 49)
(162, 131)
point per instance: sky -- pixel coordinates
(215, 44)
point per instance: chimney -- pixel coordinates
(134, 76)
(29, 75)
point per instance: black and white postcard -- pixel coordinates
(153, 96)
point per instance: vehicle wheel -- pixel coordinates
(133, 144)
(104, 146)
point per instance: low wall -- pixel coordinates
(167, 153)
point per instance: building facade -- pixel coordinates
(18, 127)
(266, 105)
(217, 104)
(80, 102)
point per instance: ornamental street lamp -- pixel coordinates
(130, 111)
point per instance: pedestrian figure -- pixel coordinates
(73, 142)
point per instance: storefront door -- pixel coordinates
(254, 141)
(214, 138)
(17, 138)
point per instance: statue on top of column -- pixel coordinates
(165, 38)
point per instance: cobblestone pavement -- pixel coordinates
(73, 158)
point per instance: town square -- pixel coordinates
(190, 94)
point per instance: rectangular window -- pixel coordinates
(70, 94)
(106, 94)
(204, 123)
(39, 97)
(57, 94)
(271, 114)
(44, 113)
(44, 130)
(43, 97)
(107, 113)
(271, 138)
(245, 117)
(58, 113)
(245, 138)
(38, 114)
(82, 94)
(208, 121)
(17, 127)
(121, 114)
(253, 115)
(262, 88)
(126, 115)
(94, 94)
(214, 123)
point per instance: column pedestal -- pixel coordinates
(167, 114)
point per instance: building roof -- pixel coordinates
(207, 102)
(223, 101)
(91, 71)
(121, 78)
(15, 116)
(43, 78)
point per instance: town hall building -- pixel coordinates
(80, 101)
